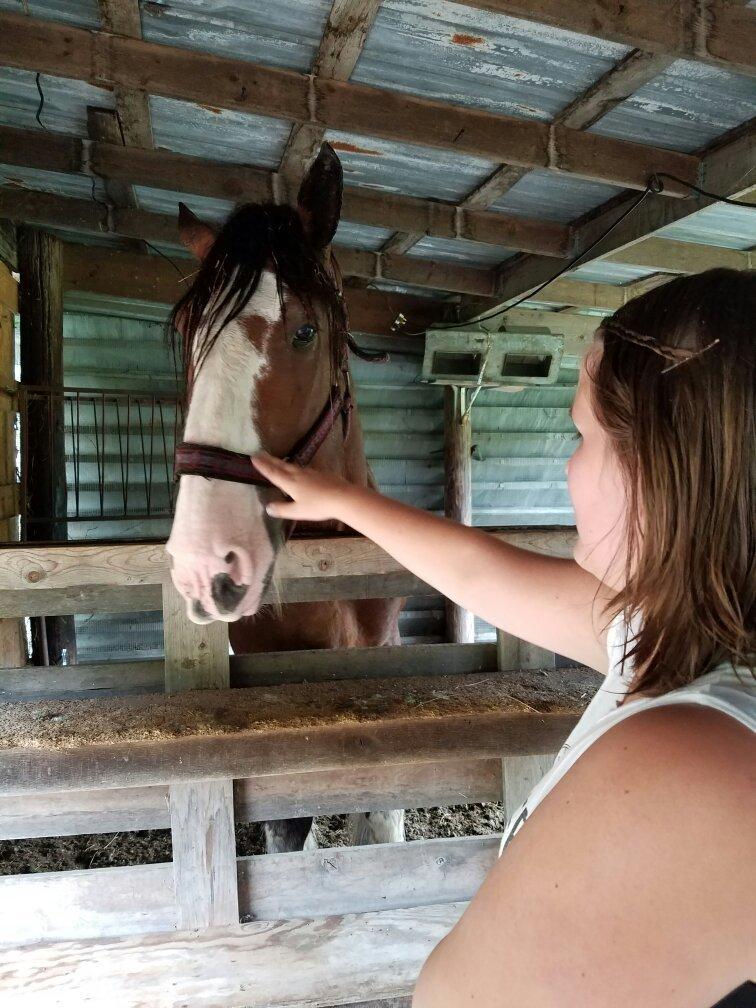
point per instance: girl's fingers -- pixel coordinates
(276, 470)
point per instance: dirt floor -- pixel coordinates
(109, 850)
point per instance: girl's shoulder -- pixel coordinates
(649, 834)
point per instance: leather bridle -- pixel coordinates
(212, 462)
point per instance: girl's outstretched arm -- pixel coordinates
(548, 601)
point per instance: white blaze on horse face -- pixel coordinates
(219, 539)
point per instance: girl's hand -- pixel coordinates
(315, 496)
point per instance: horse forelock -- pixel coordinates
(257, 238)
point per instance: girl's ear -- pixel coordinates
(195, 235)
(319, 199)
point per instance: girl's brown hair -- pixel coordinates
(674, 389)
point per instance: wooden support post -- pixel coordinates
(12, 645)
(520, 774)
(40, 302)
(202, 812)
(460, 624)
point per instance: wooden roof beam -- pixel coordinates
(87, 216)
(114, 61)
(346, 31)
(163, 169)
(112, 273)
(726, 168)
(122, 17)
(617, 84)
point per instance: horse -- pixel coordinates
(264, 333)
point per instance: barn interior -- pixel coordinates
(514, 171)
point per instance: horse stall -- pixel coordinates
(507, 174)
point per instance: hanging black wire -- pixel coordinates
(702, 192)
(654, 185)
(565, 269)
(38, 113)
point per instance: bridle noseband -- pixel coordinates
(212, 462)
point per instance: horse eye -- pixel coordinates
(305, 335)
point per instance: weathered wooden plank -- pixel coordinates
(285, 796)
(138, 564)
(196, 657)
(357, 879)
(273, 668)
(122, 17)
(91, 903)
(314, 962)
(202, 812)
(204, 854)
(520, 774)
(8, 289)
(138, 741)
(127, 577)
(108, 902)
(239, 85)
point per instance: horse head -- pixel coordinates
(264, 334)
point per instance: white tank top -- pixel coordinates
(725, 688)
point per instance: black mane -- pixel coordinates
(257, 236)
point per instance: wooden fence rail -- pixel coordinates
(168, 744)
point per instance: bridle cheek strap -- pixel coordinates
(236, 467)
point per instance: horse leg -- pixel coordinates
(375, 827)
(283, 835)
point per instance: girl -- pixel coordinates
(628, 877)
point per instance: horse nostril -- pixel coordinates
(226, 593)
(230, 557)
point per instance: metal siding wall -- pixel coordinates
(522, 440)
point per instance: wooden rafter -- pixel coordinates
(87, 216)
(122, 17)
(486, 284)
(345, 33)
(112, 273)
(617, 84)
(727, 168)
(112, 60)
(164, 169)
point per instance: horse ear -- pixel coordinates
(197, 236)
(319, 199)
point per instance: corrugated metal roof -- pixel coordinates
(407, 169)
(460, 251)
(549, 195)
(486, 60)
(685, 108)
(610, 273)
(219, 134)
(65, 105)
(276, 34)
(83, 13)
(60, 183)
(722, 225)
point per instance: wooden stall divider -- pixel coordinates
(202, 812)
